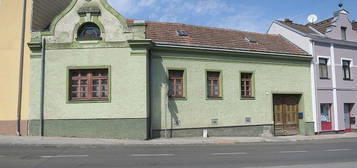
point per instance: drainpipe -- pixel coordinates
(149, 96)
(21, 69)
(43, 61)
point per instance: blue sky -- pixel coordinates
(247, 15)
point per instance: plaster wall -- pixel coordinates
(342, 20)
(128, 92)
(300, 41)
(11, 12)
(271, 77)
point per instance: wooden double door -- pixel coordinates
(286, 121)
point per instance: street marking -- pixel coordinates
(151, 155)
(64, 156)
(234, 153)
(336, 150)
(292, 151)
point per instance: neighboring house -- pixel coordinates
(12, 49)
(333, 44)
(15, 31)
(97, 74)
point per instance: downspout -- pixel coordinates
(314, 81)
(21, 69)
(149, 96)
(43, 63)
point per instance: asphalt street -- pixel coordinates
(341, 153)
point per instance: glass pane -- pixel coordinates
(83, 94)
(83, 82)
(325, 112)
(74, 88)
(95, 94)
(74, 82)
(74, 95)
(176, 74)
(213, 74)
(95, 82)
(209, 88)
(75, 73)
(171, 83)
(83, 88)
(104, 82)
(323, 61)
(104, 88)
(323, 71)
(95, 73)
(103, 73)
(104, 94)
(83, 73)
(95, 88)
(178, 88)
(89, 31)
(216, 88)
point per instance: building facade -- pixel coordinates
(20, 18)
(333, 45)
(96, 74)
(12, 50)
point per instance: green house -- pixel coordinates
(96, 74)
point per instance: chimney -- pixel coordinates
(288, 20)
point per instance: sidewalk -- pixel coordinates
(59, 141)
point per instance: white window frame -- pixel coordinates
(325, 57)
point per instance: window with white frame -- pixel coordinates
(346, 67)
(323, 68)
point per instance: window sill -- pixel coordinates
(87, 101)
(247, 98)
(325, 78)
(214, 98)
(178, 98)
(348, 80)
(89, 39)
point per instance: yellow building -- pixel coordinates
(12, 116)
(10, 52)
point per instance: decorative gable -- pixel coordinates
(111, 25)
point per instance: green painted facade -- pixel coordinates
(120, 50)
(138, 107)
(92, 128)
(271, 76)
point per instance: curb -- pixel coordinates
(84, 142)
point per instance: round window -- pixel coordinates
(89, 31)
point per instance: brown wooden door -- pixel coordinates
(286, 114)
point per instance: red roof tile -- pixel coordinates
(220, 38)
(320, 26)
(323, 25)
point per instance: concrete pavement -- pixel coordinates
(60, 141)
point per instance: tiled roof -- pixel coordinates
(219, 38)
(320, 26)
(354, 25)
(299, 27)
(44, 11)
(323, 25)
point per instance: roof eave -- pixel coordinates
(333, 41)
(236, 50)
